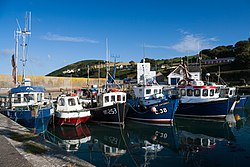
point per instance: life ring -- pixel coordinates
(182, 82)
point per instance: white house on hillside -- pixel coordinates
(175, 76)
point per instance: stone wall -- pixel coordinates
(52, 83)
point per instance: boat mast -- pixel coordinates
(199, 55)
(17, 32)
(24, 35)
(107, 64)
(144, 78)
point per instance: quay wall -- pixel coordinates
(52, 83)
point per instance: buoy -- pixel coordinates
(153, 137)
(153, 109)
(237, 117)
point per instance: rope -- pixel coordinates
(123, 138)
(136, 110)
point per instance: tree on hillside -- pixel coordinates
(132, 63)
(242, 52)
(218, 52)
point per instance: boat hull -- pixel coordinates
(161, 113)
(36, 121)
(242, 102)
(72, 118)
(211, 109)
(113, 115)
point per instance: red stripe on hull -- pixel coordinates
(71, 121)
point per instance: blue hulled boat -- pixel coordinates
(25, 103)
(28, 108)
(203, 101)
(151, 105)
(147, 103)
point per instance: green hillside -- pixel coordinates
(234, 73)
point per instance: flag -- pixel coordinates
(14, 68)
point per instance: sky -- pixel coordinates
(66, 31)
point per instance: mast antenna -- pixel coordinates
(107, 64)
(25, 34)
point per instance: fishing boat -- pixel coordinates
(200, 100)
(110, 107)
(28, 108)
(69, 111)
(26, 104)
(147, 103)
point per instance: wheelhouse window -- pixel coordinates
(61, 102)
(231, 92)
(211, 92)
(183, 92)
(123, 98)
(28, 97)
(205, 92)
(155, 91)
(189, 92)
(119, 98)
(140, 92)
(106, 99)
(39, 97)
(17, 98)
(112, 98)
(217, 90)
(78, 101)
(160, 91)
(197, 92)
(71, 102)
(148, 91)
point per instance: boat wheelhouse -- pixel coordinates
(69, 111)
(108, 99)
(111, 108)
(148, 103)
(202, 101)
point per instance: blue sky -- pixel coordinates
(67, 31)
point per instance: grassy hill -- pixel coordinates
(234, 73)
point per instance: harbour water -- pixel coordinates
(187, 143)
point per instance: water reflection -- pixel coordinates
(187, 143)
(199, 139)
(69, 138)
(151, 145)
(107, 146)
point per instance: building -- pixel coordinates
(178, 74)
(219, 60)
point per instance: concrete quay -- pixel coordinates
(19, 147)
